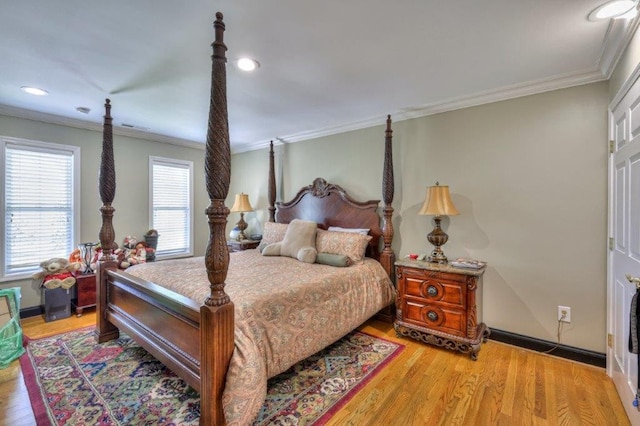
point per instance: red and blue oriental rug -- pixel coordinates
(72, 380)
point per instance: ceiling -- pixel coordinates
(325, 66)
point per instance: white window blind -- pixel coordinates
(39, 204)
(171, 206)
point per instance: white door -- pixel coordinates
(624, 253)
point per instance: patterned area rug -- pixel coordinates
(74, 381)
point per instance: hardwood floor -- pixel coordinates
(425, 385)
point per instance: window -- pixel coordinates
(39, 204)
(171, 200)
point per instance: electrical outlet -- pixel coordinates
(564, 313)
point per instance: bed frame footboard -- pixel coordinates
(166, 324)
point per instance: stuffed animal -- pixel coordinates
(143, 251)
(129, 242)
(57, 272)
(75, 256)
(121, 258)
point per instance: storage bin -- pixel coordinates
(57, 303)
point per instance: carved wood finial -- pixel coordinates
(218, 172)
(387, 177)
(216, 314)
(219, 48)
(272, 185)
(107, 185)
(388, 257)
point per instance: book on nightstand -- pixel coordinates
(462, 262)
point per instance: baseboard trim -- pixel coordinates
(31, 312)
(569, 352)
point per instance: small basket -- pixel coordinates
(10, 329)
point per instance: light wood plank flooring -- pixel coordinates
(425, 386)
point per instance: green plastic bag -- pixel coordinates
(11, 332)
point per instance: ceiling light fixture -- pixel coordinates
(614, 9)
(34, 91)
(247, 64)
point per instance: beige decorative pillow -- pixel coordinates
(300, 241)
(272, 249)
(272, 233)
(349, 244)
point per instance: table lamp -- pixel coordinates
(241, 205)
(438, 203)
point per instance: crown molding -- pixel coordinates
(616, 40)
(480, 98)
(96, 127)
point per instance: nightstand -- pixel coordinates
(440, 305)
(85, 292)
(235, 245)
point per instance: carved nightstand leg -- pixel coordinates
(486, 334)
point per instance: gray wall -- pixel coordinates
(132, 180)
(529, 177)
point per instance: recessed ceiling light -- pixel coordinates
(247, 64)
(612, 9)
(34, 91)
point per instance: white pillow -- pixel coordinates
(363, 231)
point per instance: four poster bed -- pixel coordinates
(206, 318)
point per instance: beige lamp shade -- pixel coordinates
(438, 202)
(241, 204)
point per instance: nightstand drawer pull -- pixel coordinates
(432, 291)
(432, 316)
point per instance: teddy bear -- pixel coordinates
(57, 272)
(122, 258)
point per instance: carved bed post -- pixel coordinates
(216, 315)
(107, 189)
(387, 257)
(272, 185)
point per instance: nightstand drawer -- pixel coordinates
(439, 317)
(426, 274)
(435, 290)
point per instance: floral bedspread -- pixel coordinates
(285, 311)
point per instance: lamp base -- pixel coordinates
(241, 225)
(437, 238)
(437, 256)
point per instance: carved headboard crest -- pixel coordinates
(321, 188)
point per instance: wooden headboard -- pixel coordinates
(329, 205)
